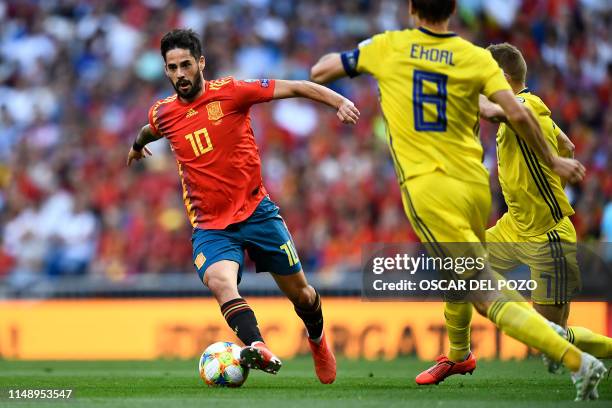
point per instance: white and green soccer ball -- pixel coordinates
(220, 365)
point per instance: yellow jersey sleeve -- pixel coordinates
(372, 53)
(492, 76)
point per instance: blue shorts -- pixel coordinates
(264, 235)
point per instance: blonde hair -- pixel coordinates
(510, 60)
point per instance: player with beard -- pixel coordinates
(208, 126)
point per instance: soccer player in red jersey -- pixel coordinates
(208, 126)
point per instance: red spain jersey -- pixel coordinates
(213, 143)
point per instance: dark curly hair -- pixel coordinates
(181, 38)
(433, 11)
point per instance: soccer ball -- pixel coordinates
(220, 365)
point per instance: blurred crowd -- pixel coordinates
(77, 79)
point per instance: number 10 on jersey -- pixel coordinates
(195, 139)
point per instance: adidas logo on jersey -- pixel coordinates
(191, 112)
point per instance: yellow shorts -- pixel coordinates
(443, 209)
(551, 258)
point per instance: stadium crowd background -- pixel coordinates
(77, 78)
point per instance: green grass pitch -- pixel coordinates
(359, 384)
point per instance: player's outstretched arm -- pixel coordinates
(527, 127)
(346, 110)
(327, 69)
(139, 150)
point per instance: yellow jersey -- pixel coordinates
(429, 85)
(533, 192)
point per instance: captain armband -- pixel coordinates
(349, 62)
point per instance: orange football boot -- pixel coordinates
(444, 368)
(324, 360)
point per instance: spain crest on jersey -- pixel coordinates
(214, 111)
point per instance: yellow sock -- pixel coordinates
(530, 328)
(596, 344)
(458, 317)
(572, 359)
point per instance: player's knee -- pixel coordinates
(217, 284)
(303, 297)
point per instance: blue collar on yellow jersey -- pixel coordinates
(526, 90)
(441, 35)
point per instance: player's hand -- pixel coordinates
(135, 155)
(569, 169)
(347, 112)
(566, 147)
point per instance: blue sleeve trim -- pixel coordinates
(349, 62)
